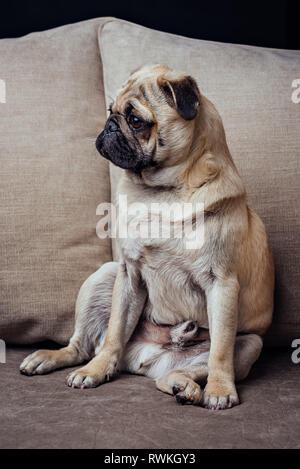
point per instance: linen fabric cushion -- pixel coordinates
(52, 179)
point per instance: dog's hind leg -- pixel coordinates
(182, 382)
(180, 370)
(247, 349)
(174, 356)
(92, 313)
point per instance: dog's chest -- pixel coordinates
(171, 272)
(175, 293)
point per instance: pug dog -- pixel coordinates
(184, 317)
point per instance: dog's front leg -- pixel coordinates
(222, 309)
(127, 304)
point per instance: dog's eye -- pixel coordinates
(135, 122)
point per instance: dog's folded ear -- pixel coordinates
(181, 93)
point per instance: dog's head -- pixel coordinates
(151, 122)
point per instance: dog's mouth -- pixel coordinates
(113, 146)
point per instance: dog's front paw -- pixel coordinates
(94, 373)
(216, 397)
(83, 378)
(39, 362)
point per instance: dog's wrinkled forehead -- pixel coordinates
(141, 89)
(151, 87)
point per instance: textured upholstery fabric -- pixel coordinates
(51, 179)
(42, 412)
(251, 87)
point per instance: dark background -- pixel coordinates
(263, 23)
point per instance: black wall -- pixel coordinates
(263, 23)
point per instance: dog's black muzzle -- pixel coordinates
(115, 147)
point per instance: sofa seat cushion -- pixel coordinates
(129, 412)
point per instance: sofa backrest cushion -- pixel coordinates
(52, 179)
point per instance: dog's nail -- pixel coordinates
(180, 399)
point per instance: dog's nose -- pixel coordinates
(112, 124)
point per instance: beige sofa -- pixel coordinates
(58, 86)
